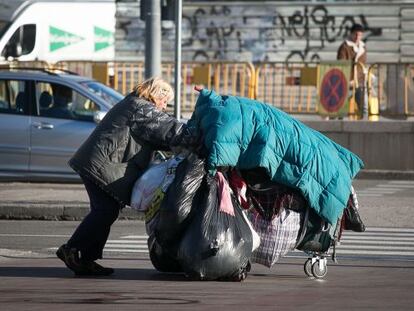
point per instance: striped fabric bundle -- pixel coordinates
(277, 236)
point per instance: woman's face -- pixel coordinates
(161, 103)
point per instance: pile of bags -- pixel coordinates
(214, 227)
(194, 221)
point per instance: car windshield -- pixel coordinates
(106, 93)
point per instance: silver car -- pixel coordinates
(44, 117)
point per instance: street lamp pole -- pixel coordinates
(177, 71)
(152, 38)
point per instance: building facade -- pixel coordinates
(279, 31)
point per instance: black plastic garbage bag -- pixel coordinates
(315, 234)
(182, 195)
(216, 245)
(160, 258)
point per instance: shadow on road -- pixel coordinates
(120, 274)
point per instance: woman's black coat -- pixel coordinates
(120, 148)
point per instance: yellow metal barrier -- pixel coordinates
(356, 112)
(288, 86)
(393, 85)
(280, 85)
(390, 88)
(235, 78)
(373, 95)
(409, 90)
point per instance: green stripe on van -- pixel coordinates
(103, 38)
(60, 38)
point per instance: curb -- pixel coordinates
(34, 211)
(69, 210)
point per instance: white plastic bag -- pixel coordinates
(157, 176)
(256, 236)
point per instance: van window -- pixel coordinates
(13, 98)
(22, 42)
(60, 101)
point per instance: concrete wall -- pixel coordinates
(295, 31)
(274, 30)
(383, 145)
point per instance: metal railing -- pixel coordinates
(390, 86)
(223, 77)
(393, 86)
(278, 84)
(390, 89)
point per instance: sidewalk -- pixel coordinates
(46, 201)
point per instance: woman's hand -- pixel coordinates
(198, 88)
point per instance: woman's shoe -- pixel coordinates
(91, 268)
(70, 256)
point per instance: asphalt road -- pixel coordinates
(375, 269)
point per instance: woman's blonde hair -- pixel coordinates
(154, 89)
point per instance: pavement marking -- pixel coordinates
(379, 254)
(128, 241)
(377, 238)
(135, 237)
(378, 191)
(128, 246)
(378, 242)
(113, 250)
(369, 229)
(403, 182)
(369, 195)
(375, 243)
(399, 242)
(391, 187)
(5, 252)
(35, 235)
(382, 235)
(378, 246)
(122, 250)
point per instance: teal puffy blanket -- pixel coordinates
(246, 134)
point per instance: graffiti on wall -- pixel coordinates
(214, 37)
(215, 32)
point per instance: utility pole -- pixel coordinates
(177, 86)
(152, 38)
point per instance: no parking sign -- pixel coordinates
(333, 88)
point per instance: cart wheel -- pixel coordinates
(307, 267)
(319, 271)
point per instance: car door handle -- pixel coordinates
(42, 125)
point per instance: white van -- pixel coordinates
(53, 31)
